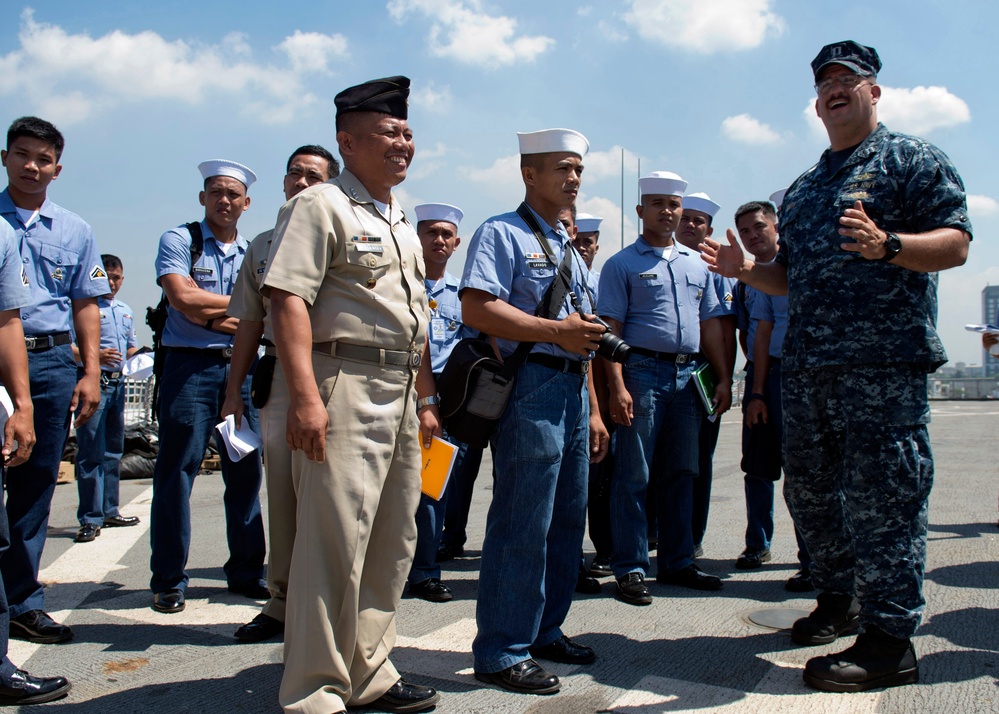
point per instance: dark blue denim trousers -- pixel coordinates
(191, 395)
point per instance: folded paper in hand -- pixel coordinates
(238, 442)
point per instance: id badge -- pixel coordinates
(437, 329)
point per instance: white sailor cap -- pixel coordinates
(700, 202)
(585, 223)
(549, 141)
(661, 183)
(777, 197)
(224, 167)
(438, 212)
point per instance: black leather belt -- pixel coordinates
(560, 364)
(372, 355)
(38, 343)
(111, 375)
(214, 352)
(674, 357)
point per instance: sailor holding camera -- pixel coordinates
(658, 298)
(534, 530)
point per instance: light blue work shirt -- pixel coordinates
(593, 284)
(772, 308)
(506, 260)
(117, 328)
(724, 291)
(745, 297)
(660, 302)
(14, 292)
(61, 262)
(215, 272)
(446, 328)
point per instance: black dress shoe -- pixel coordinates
(874, 661)
(800, 582)
(751, 559)
(405, 697)
(690, 577)
(446, 551)
(121, 521)
(21, 688)
(169, 601)
(36, 626)
(585, 585)
(565, 651)
(260, 628)
(254, 589)
(601, 567)
(527, 677)
(633, 590)
(87, 532)
(432, 590)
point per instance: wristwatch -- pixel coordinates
(893, 246)
(427, 401)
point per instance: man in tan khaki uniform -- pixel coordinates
(308, 166)
(349, 309)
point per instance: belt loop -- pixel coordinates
(381, 358)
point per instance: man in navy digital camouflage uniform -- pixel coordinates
(863, 233)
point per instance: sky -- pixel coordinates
(718, 91)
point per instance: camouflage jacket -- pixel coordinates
(844, 309)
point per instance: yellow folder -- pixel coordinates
(437, 463)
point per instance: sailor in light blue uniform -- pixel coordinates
(101, 441)
(64, 271)
(198, 339)
(658, 296)
(437, 226)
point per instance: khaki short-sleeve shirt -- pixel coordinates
(361, 277)
(246, 302)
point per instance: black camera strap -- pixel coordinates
(551, 303)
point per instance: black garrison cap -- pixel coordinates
(855, 57)
(389, 96)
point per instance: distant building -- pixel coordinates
(990, 308)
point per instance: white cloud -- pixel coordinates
(610, 229)
(432, 98)
(920, 110)
(982, 205)
(746, 129)
(73, 76)
(707, 26)
(312, 51)
(427, 161)
(917, 111)
(501, 181)
(460, 30)
(605, 164)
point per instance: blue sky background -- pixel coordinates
(718, 91)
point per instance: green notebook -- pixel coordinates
(704, 379)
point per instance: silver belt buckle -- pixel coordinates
(415, 359)
(227, 352)
(30, 342)
(682, 359)
(585, 367)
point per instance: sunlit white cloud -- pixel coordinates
(706, 26)
(982, 206)
(746, 129)
(918, 111)
(427, 95)
(71, 76)
(463, 31)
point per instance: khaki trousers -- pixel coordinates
(281, 501)
(355, 540)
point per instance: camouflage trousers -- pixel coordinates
(858, 472)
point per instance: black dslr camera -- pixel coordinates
(611, 346)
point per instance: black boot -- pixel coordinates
(833, 616)
(875, 660)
